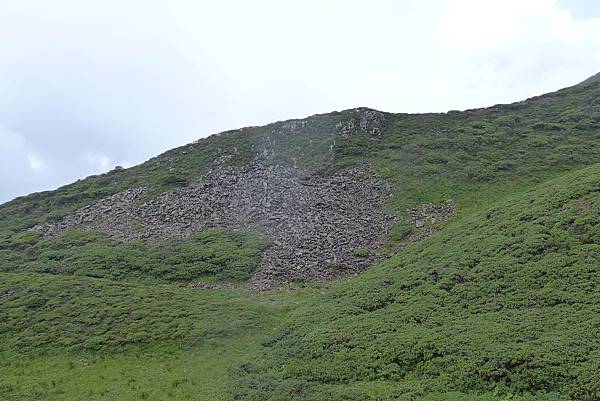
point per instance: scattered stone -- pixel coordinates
(210, 286)
(426, 215)
(293, 125)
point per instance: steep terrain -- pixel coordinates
(506, 301)
(316, 225)
(481, 224)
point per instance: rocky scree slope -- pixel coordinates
(319, 226)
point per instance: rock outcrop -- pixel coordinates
(315, 223)
(370, 122)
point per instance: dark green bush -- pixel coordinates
(222, 255)
(361, 252)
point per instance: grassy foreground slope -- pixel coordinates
(504, 304)
(79, 338)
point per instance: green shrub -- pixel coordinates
(361, 252)
(174, 181)
(222, 255)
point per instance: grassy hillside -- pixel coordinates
(214, 256)
(499, 305)
(472, 157)
(80, 338)
(504, 304)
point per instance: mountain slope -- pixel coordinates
(138, 283)
(471, 157)
(77, 338)
(504, 302)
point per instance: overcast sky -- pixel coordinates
(86, 85)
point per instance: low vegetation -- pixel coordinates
(79, 338)
(217, 255)
(502, 303)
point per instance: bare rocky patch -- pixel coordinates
(370, 122)
(315, 223)
(425, 216)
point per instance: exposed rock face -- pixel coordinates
(370, 121)
(315, 222)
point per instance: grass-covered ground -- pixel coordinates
(143, 373)
(213, 255)
(502, 304)
(79, 338)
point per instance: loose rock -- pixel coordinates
(314, 222)
(426, 215)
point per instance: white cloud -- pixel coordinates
(97, 162)
(15, 168)
(12, 142)
(480, 23)
(512, 49)
(34, 161)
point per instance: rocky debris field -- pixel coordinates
(320, 227)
